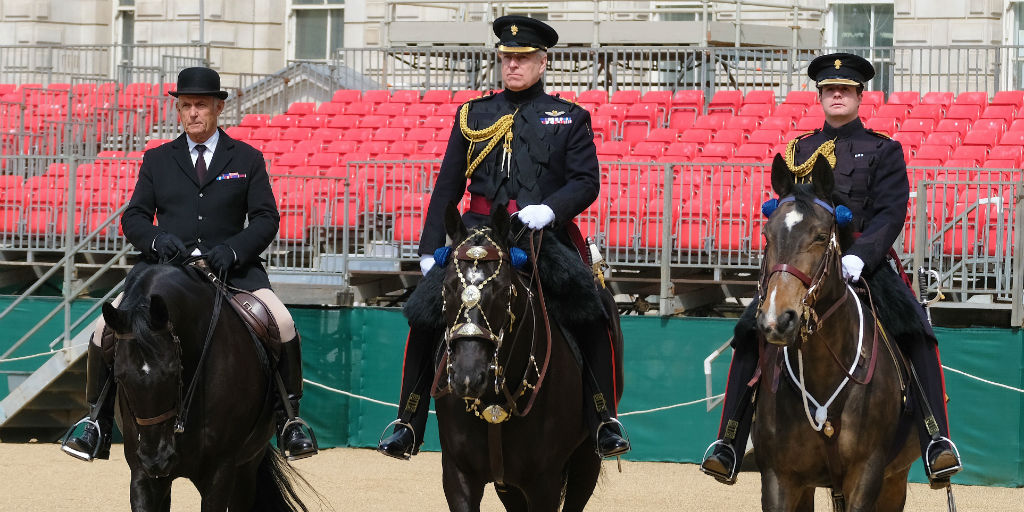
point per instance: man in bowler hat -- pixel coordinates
(871, 180)
(202, 188)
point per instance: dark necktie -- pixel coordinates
(201, 163)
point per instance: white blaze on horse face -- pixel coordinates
(145, 368)
(792, 219)
(769, 312)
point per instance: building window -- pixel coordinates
(126, 25)
(863, 25)
(319, 28)
(677, 11)
(1018, 40)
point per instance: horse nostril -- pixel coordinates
(786, 320)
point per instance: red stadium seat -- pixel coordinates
(729, 135)
(924, 126)
(927, 111)
(565, 95)
(1011, 98)
(790, 110)
(972, 98)
(663, 135)
(407, 96)
(752, 152)
(1012, 138)
(301, 108)
(662, 100)
(909, 140)
(420, 109)
(896, 111)
(943, 99)
(711, 121)
(682, 119)
(757, 110)
(1014, 153)
(460, 97)
(911, 98)
(255, 120)
(376, 96)
(726, 101)
(873, 98)
(977, 154)
(599, 97)
(613, 150)
(760, 96)
(696, 136)
(688, 100)
(806, 98)
(315, 121)
(627, 97)
(963, 111)
(886, 125)
(936, 152)
(777, 123)
(346, 96)
(330, 109)
(1003, 112)
(296, 133)
(958, 126)
(765, 136)
(437, 96)
(744, 123)
(985, 138)
(389, 109)
(284, 121)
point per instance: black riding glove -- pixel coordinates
(167, 247)
(221, 259)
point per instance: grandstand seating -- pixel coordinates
(388, 143)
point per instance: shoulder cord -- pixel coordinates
(502, 128)
(827, 150)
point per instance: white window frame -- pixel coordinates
(292, 20)
(830, 20)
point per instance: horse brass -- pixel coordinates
(470, 297)
(476, 252)
(494, 414)
(829, 431)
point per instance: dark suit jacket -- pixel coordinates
(871, 179)
(554, 161)
(206, 214)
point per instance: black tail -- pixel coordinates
(275, 489)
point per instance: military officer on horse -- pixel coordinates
(202, 188)
(871, 180)
(534, 153)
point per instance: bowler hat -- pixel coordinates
(199, 81)
(840, 69)
(519, 34)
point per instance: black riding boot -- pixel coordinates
(94, 442)
(293, 442)
(600, 388)
(417, 377)
(725, 458)
(941, 458)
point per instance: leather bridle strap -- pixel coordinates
(145, 422)
(790, 269)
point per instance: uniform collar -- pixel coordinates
(211, 143)
(843, 131)
(520, 97)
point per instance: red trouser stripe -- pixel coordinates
(942, 381)
(615, 384)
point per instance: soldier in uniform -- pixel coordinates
(534, 153)
(202, 188)
(870, 179)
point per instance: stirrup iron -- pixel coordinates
(945, 473)
(312, 437)
(408, 454)
(88, 457)
(732, 471)
(622, 430)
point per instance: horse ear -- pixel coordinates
(782, 177)
(158, 314)
(116, 319)
(500, 220)
(453, 224)
(823, 179)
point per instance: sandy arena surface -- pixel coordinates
(39, 477)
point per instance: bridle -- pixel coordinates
(173, 411)
(810, 319)
(473, 285)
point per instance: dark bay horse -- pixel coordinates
(161, 327)
(837, 417)
(511, 408)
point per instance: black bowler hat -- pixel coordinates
(519, 34)
(199, 82)
(840, 69)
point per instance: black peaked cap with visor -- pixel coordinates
(840, 69)
(519, 34)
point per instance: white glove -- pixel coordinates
(852, 267)
(426, 263)
(537, 216)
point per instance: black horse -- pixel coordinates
(837, 419)
(223, 405)
(510, 405)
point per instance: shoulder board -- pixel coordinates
(565, 101)
(881, 135)
(805, 134)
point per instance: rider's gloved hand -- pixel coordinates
(852, 267)
(221, 258)
(426, 263)
(167, 246)
(537, 216)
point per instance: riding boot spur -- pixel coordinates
(292, 440)
(941, 457)
(723, 458)
(600, 387)
(94, 441)
(414, 400)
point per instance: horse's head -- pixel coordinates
(801, 257)
(147, 367)
(478, 293)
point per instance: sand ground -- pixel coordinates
(39, 477)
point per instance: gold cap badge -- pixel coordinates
(839, 63)
(514, 29)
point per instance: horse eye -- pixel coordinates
(821, 237)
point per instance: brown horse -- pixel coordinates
(837, 419)
(507, 364)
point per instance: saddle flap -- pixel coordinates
(257, 315)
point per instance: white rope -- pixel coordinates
(965, 374)
(673, 406)
(41, 354)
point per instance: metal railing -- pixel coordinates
(126, 63)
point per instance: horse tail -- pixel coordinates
(275, 485)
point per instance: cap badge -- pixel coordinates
(839, 63)
(514, 29)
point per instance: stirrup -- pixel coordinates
(941, 476)
(731, 477)
(88, 457)
(406, 455)
(622, 430)
(309, 430)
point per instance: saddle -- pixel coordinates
(254, 312)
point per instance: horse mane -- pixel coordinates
(561, 272)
